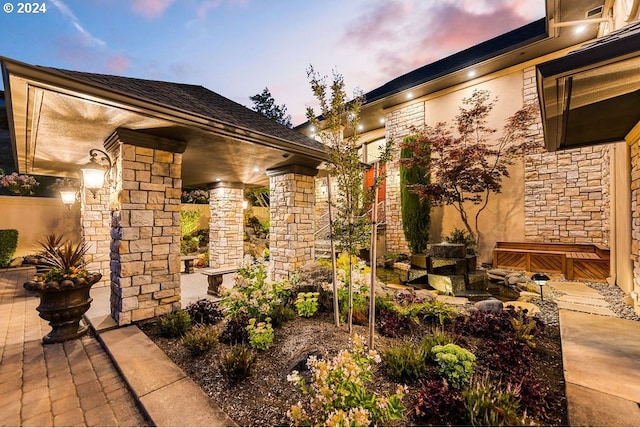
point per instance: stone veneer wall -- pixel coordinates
(145, 246)
(566, 192)
(291, 238)
(95, 223)
(398, 124)
(226, 227)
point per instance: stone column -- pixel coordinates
(398, 124)
(95, 224)
(145, 225)
(291, 209)
(226, 234)
(634, 148)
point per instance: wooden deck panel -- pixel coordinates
(575, 261)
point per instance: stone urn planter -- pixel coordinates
(63, 286)
(62, 304)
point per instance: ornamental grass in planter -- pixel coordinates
(64, 288)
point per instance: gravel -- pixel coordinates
(612, 294)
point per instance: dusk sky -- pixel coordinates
(237, 47)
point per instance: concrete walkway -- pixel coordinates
(600, 356)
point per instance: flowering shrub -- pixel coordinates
(338, 395)
(195, 197)
(260, 334)
(455, 363)
(307, 304)
(17, 184)
(253, 295)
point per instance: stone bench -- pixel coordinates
(214, 278)
(189, 262)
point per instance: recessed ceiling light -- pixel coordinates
(313, 129)
(256, 169)
(471, 73)
(580, 29)
(218, 179)
(409, 95)
(382, 120)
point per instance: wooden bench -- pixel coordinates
(214, 278)
(189, 263)
(576, 261)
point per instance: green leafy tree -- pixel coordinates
(265, 105)
(337, 128)
(416, 211)
(465, 162)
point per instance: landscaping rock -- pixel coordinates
(427, 295)
(530, 307)
(299, 362)
(490, 305)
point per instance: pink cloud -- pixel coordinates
(401, 37)
(118, 64)
(150, 8)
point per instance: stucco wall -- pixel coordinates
(35, 217)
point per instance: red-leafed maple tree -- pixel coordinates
(465, 160)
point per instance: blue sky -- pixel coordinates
(237, 47)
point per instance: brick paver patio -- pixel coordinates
(69, 384)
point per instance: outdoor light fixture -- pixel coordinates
(68, 196)
(95, 173)
(245, 204)
(541, 280)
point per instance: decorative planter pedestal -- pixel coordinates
(63, 304)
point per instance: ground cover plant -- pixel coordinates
(443, 365)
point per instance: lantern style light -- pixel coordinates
(95, 173)
(68, 196)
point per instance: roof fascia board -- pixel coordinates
(481, 79)
(9, 103)
(49, 79)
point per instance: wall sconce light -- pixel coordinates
(94, 173)
(245, 204)
(68, 196)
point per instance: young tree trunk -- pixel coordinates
(334, 267)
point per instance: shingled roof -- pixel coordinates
(498, 45)
(193, 99)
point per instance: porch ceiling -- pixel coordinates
(592, 95)
(55, 121)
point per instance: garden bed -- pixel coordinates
(265, 396)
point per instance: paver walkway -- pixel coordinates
(69, 384)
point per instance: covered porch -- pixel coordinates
(160, 137)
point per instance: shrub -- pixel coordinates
(235, 330)
(189, 220)
(509, 358)
(235, 364)
(280, 314)
(437, 311)
(461, 236)
(260, 334)
(175, 324)
(307, 304)
(204, 311)
(438, 405)
(392, 324)
(492, 405)
(338, 395)
(253, 295)
(538, 402)
(485, 324)
(406, 362)
(200, 339)
(455, 364)
(437, 338)
(8, 245)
